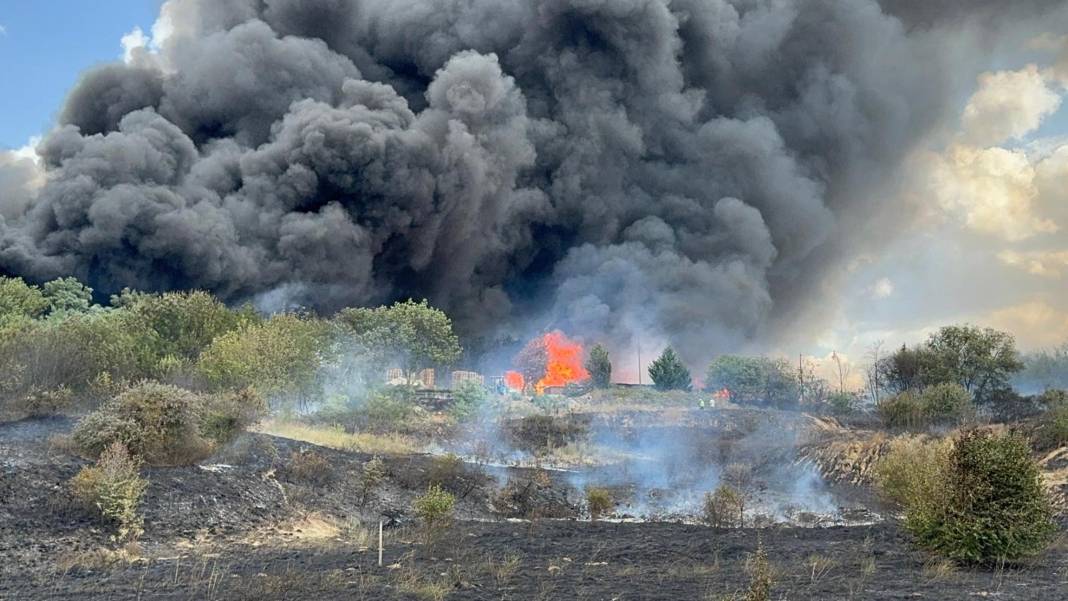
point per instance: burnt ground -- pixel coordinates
(563, 560)
(244, 526)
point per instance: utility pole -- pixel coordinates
(801, 378)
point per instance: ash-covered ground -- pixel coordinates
(247, 524)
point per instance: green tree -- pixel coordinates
(185, 322)
(278, 357)
(600, 367)
(413, 334)
(68, 295)
(982, 360)
(754, 380)
(19, 301)
(668, 372)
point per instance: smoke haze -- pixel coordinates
(690, 170)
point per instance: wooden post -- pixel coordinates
(379, 543)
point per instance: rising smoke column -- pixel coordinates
(684, 169)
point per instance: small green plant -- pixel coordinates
(435, 510)
(725, 507)
(942, 404)
(371, 477)
(599, 501)
(113, 488)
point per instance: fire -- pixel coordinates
(515, 381)
(563, 363)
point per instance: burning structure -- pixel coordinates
(547, 363)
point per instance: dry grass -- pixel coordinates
(336, 438)
(941, 570)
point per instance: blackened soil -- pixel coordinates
(567, 560)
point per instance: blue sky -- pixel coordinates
(46, 45)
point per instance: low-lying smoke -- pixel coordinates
(682, 169)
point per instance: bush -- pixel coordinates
(1053, 427)
(166, 425)
(947, 404)
(113, 488)
(228, 415)
(446, 469)
(842, 403)
(758, 568)
(724, 508)
(599, 501)
(306, 465)
(435, 509)
(41, 403)
(941, 404)
(913, 472)
(982, 501)
(467, 400)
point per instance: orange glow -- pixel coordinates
(514, 380)
(563, 362)
(722, 395)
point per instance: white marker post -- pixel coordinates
(379, 543)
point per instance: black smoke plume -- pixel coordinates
(684, 169)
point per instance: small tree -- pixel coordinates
(668, 372)
(599, 501)
(113, 488)
(435, 510)
(600, 367)
(982, 501)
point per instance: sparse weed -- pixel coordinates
(599, 501)
(306, 465)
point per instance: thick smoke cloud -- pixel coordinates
(679, 169)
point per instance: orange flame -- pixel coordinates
(515, 381)
(563, 362)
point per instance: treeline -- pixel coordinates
(59, 350)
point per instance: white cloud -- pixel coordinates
(1043, 263)
(884, 288)
(3, 30)
(133, 43)
(1008, 105)
(21, 176)
(992, 189)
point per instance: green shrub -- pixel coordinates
(942, 404)
(725, 507)
(167, 425)
(41, 403)
(467, 400)
(947, 404)
(435, 510)
(599, 502)
(446, 469)
(1052, 431)
(913, 471)
(842, 403)
(386, 411)
(981, 500)
(113, 488)
(228, 415)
